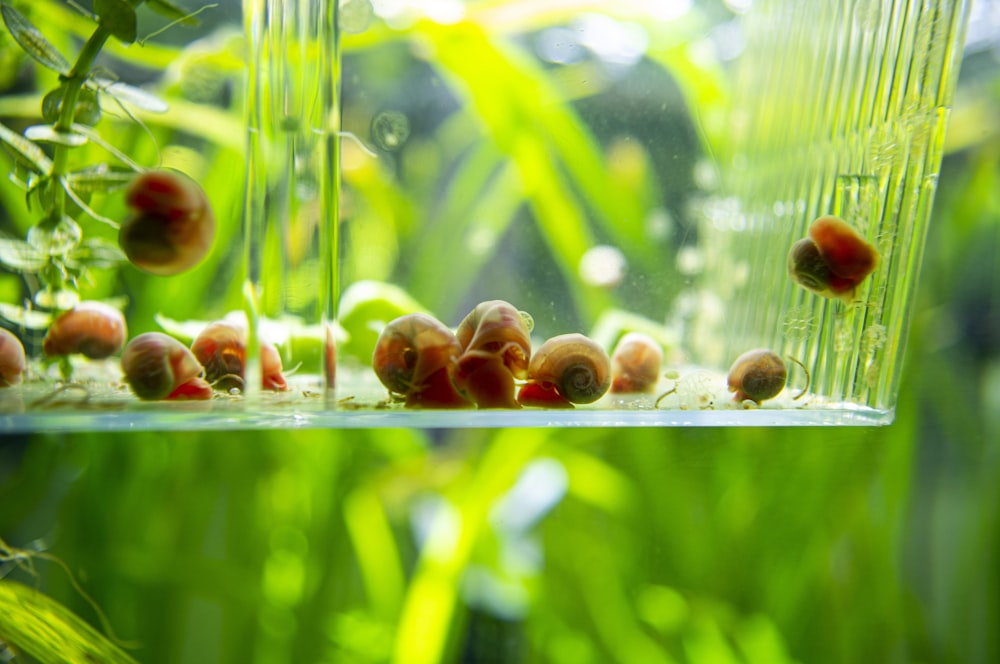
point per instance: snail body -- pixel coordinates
(566, 369)
(757, 375)
(496, 348)
(833, 260)
(221, 348)
(12, 359)
(92, 329)
(635, 364)
(171, 227)
(415, 356)
(157, 366)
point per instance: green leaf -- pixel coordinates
(20, 256)
(101, 178)
(55, 239)
(26, 149)
(96, 252)
(48, 134)
(118, 17)
(29, 319)
(129, 94)
(49, 632)
(32, 41)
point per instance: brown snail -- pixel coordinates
(12, 360)
(171, 227)
(566, 369)
(757, 375)
(833, 260)
(221, 349)
(415, 356)
(635, 363)
(157, 366)
(92, 329)
(496, 348)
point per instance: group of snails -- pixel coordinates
(155, 365)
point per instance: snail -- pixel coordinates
(93, 329)
(221, 349)
(496, 347)
(833, 260)
(12, 361)
(414, 356)
(566, 369)
(757, 375)
(635, 363)
(171, 227)
(157, 366)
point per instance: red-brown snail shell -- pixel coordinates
(635, 363)
(157, 366)
(92, 329)
(757, 375)
(221, 349)
(415, 356)
(833, 260)
(12, 360)
(171, 227)
(496, 349)
(566, 369)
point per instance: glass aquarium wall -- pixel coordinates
(488, 213)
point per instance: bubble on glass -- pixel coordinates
(390, 129)
(603, 266)
(559, 46)
(355, 16)
(527, 319)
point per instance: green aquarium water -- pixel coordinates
(600, 168)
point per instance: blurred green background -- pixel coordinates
(562, 546)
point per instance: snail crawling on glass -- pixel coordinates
(12, 359)
(221, 348)
(496, 349)
(415, 357)
(157, 366)
(565, 370)
(833, 260)
(171, 227)
(635, 364)
(760, 374)
(92, 329)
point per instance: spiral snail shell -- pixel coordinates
(157, 366)
(833, 260)
(757, 375)
(496, 348)
(93, 329)
(12, 360)
(415, 356)
(566, 369)
(635, 363)
(221, 349)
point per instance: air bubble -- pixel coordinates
(390, 129)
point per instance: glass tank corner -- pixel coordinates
(292, 213)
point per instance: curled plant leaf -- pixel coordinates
(131, 95)
(117, 17)
(57, 299)
(32, 41)
(29, 319)
(28, 151)
(95, 252)
(20, 256)
(100, 178)
(55, 239)
(87, 111)
(48, 134)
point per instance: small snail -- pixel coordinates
(635, 363)
(157, 366)
(93, 329)
(757, 375)
(414, 356)
(566, 369)
(221, 349)
(12, 361)
(496, 347)
(171, 227)
(833, 260)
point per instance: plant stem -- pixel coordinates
(73, 83)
